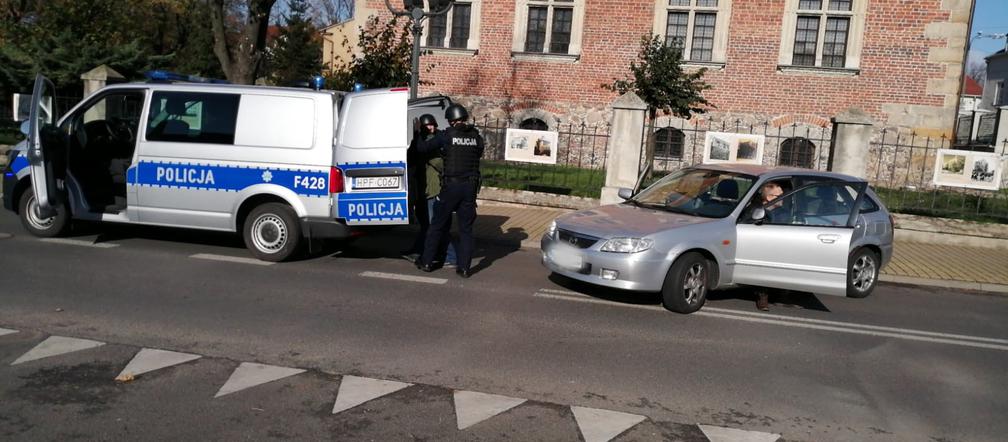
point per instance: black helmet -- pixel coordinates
(456, 112)
(426, 119)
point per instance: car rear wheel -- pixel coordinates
(686, 284)
(862, 273)
(28, 210)
(272, 232)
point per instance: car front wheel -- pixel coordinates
(686, 284)
(862, 273)
(272, 232)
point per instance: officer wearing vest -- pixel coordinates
(462, 147)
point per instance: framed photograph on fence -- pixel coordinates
(531, 146)
(963, 168)
(726, 147)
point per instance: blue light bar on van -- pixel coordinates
(172, 76)
(317, 82)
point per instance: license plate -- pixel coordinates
(566, 258)
(376, 182)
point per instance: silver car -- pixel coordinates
(711, 227)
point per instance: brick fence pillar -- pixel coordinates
(852, 133)
(626, 139)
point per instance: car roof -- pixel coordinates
(218, 87)
(762, 171)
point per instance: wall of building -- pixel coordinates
(910, 66)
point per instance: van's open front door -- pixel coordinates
(42, 131)
(371, 145)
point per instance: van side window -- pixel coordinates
(190, 117)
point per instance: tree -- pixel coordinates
(977, 70)
(239, 33)
(658, 78)
(385, 48)
(296, 54)
(333, 11)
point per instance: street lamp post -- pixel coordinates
(414, 9)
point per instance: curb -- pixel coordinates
(989, 288)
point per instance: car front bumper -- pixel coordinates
(643, 271)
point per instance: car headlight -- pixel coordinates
(627, 245)
(551, 231)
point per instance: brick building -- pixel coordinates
(775, 61)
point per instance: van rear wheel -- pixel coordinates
(28, 211)
(272, 232)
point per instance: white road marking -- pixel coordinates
(813, 324)
(250, 374)
(149, 359)
(354, 391)
(602, 425)
(7, 331)
(562, 292)
(235, 259)
(473, 407)
(401, 277)
(79, 242)
(723, 434)
(56, 345)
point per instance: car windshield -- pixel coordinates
(698, 192)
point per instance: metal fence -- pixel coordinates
(579, 168)
(901, 169)
(682, 145)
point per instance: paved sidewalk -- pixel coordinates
(937, 265)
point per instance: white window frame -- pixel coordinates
(855, 33)
(521, 26)
(475, 16)
(723, 11)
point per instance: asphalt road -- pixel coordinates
(907, 363)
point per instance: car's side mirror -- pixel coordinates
(758, 215)
(25, 127)
(625, 193)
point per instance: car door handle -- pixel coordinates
(828, 239)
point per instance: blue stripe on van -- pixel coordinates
(228, 178)
(20, 162)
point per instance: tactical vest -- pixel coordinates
(462, 155)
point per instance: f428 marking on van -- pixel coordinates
(228, 178)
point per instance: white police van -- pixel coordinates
(279, 165)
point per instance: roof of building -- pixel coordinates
(971, 87)
(997, 54)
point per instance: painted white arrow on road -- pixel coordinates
(354, 391)
(473, 407)
(722, 434)
(602, 425)
(250, 374)
(149, 359)
(57, 345)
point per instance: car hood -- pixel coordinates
(625, 220)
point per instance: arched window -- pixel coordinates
(797, 152)
(533, 124)
(669, 142)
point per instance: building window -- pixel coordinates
(823, 33)
(797, 152)
(533, 124)
(548, 26)
(669, 143)
(457, 29)
(698, 27)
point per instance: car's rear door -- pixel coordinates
(803, 243)
(371, 144)
(42, 137)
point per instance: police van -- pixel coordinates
(283, 166)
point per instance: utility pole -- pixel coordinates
(414, 9)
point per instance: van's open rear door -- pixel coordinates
(371, 143)
(42, 122)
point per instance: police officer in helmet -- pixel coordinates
(461, 146)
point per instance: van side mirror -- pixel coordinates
(758, 215)
(625, 193)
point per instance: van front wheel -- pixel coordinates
(272, 232)
(35, 224)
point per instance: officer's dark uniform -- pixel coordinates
(416, 170)
(461, 146)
